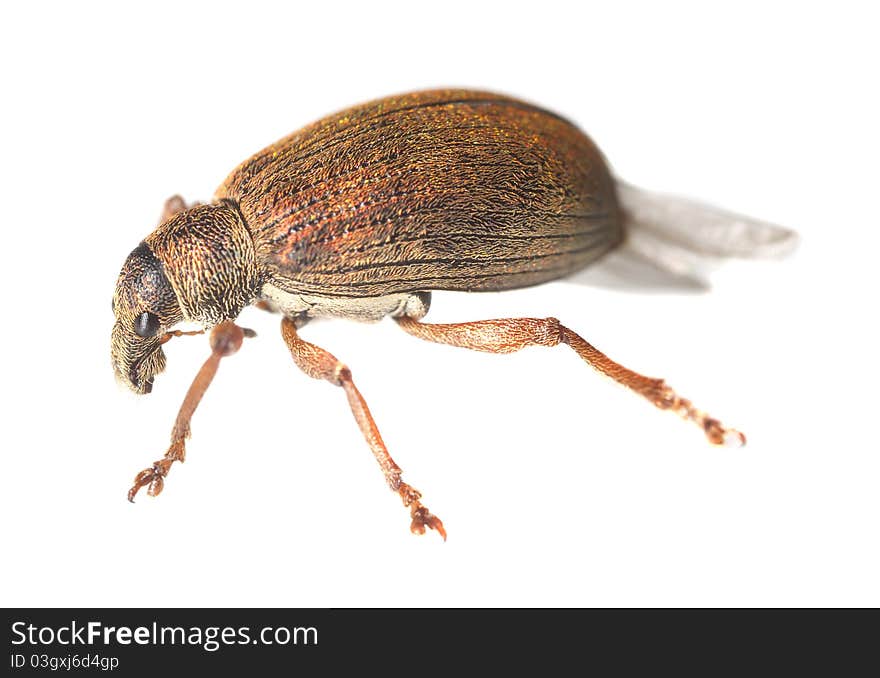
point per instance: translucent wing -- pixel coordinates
(688, 238)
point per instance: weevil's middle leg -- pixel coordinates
(321, 364)
(507, 335)
(226, 339)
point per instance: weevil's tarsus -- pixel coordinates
(715, 431)
(321, 364)
(225, 339)
(508, 335)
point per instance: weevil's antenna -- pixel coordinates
(168, 336)
(226, 338)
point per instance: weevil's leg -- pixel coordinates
(265, 306)
(172, 206)
(226, 339)
(507, 335)
(320, 364)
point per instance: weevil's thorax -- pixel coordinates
(209, 259)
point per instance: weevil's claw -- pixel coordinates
(422, 518)
(157, 484)
(153, 478)
(145, 477)
(719, 435)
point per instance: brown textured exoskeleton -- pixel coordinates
(360, 215)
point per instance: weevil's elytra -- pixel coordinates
(438, 190)
(364, 213)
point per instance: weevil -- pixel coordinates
(365, 212)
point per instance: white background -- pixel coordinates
(557, 487)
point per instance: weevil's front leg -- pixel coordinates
(320, 364)
(172, 206)
(507, 335)
(226, 339)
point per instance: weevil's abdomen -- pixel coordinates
(442, 190)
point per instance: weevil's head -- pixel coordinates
(198, 266)
(145, 306)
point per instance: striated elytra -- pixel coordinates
(365, 212)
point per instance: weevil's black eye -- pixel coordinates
(146, 325)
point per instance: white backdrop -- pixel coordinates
(556, 486)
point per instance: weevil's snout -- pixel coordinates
(145, 307)
(136, 361)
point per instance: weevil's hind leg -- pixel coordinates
(320, 364)
(226, 339)
(172, 206)
(507, 335)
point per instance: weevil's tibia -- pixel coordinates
(320, 364)
(226, 338)
(507, 335)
